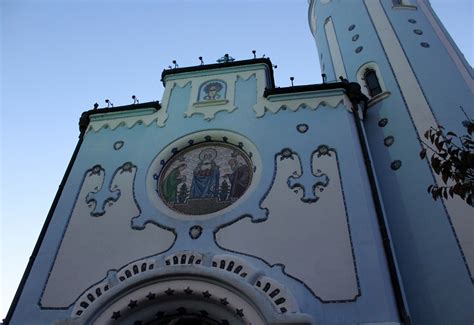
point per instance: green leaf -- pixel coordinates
(469, 199)
(457, 189)
(470, 128)
(438, 144)
(435, 162)
(445, 176)
(423, 153)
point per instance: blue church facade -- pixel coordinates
(233, 201)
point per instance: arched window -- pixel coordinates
(372, 82)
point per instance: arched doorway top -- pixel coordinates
(220, 289)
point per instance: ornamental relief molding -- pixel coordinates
(144, 116)
(222, 283)
(297, 101)
(104, 205)
(307, 197)
(212, 94)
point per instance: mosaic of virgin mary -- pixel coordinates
(205, 178)
(206, 175)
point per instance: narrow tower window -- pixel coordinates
(372, 82)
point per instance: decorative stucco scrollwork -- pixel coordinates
(193, 287)
(233, 264)
(184, 258)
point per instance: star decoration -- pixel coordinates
(206, 294)
(150, 296)
(116, 315)
(132, 304)
(224, 301)
(169, 292)
(239, 312)
(188, 291)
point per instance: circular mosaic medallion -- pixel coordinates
(355, 37)
(205, 178)
(412, 21)
(424, 44)
(418, 32)
(359, 49)
(351, 27)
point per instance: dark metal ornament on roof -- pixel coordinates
(226, 58)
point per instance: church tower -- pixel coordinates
(415, 78)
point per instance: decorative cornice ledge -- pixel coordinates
(309, 96)
(128, 115)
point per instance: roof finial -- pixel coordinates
(226, 58)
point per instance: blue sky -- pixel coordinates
(60, 57)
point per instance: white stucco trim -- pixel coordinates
(294, 101)
(334, 49)
(312, 18)
(448, 45)
(378, 98)
(113, 120)
(423, 118)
